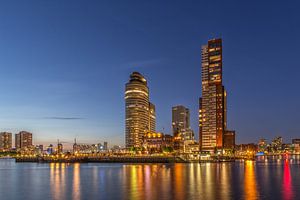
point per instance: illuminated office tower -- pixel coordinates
(5, 141)
(181, 123)
(139, 112)
(23, 140)
(212, 104)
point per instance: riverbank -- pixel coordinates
(115, 159)
(106, 159)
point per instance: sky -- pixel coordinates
(64, 65)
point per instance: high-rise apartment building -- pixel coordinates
(23, 140)
(181, 123)
(139, 112)
(5, 141)
(212, 104)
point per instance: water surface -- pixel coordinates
(265, 179)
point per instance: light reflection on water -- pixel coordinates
(240, 180)
(287, 182)
(250, 181)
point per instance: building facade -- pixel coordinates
(139, 112)
(157, 142)
(212, 104)
(5, 141)
(229, 140)
(23, 140)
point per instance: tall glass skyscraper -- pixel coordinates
(212, 104)
(139, 112)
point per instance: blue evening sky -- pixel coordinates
(64, 64)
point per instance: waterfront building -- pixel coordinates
(23, 140)
(5, 141)
(246, 149)
(139, 112)
(178, 144)
(212, 104)
(157, 142)
(229, 140)
(181, 123)
(191, 149)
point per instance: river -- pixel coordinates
(273, 178)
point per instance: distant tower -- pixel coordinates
(181, 123)
(59, 147)
(75, 146)
(139, 112)
(105, 146)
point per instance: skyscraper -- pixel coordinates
(5, 141)
(212, 104)
(139, 112)
(23, 140)
(181, 123)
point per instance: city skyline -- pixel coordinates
(63, 76)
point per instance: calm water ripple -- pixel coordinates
(264, 179)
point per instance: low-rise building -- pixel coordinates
(86, 148)
(157, 142)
